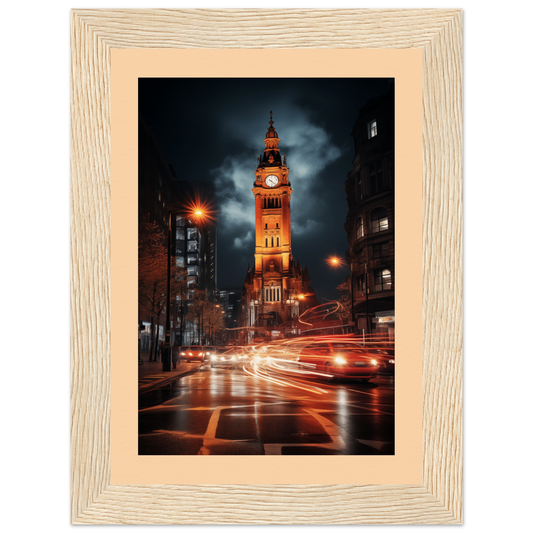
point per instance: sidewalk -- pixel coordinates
(151, 373)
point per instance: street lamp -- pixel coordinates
(335, 262)
(195, 213)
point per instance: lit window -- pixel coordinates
(372, 129)
(360, 230)
(380, 220)
(272, 294)
(382, 280)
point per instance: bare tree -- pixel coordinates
(152, 274)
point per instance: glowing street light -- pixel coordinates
(202, 212)
(334, 262)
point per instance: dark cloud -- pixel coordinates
(213, 129)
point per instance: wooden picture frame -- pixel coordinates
(438, 33)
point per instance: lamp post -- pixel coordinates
(167, 353)
(167, 356)
(366, 297)
(335, 262)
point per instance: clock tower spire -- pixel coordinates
(276, 279)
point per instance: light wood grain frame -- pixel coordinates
(439, 499)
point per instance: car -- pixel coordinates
(228, 356)
(193, 353)
(385, 357)
(339, 359)
(224, 359)
(209, 351)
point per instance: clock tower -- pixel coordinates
(276, 286)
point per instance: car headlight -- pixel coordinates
(340, 361)
(190, 353)
(214, 357)
(391, 361)
(208, 353)
(374, 362)
(182, 353)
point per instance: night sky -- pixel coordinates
(213, 129)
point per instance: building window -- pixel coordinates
(192, 246)
(380, 220)
(372, 129)
(266, 242)
(360, 229)
(272, 242)
(361, 284)
(277, 225)
(375, 177)
(381, 250)
(382, 280)
(359, 256)
(272, 294)
(266, 226)
(359, 192)
(277, 241)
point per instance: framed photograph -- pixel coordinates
(266, 266)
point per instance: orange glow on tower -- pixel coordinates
(276, 280)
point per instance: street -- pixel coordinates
(232, 411)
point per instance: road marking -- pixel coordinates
(209, 438)
(336, 444)
(268, 414)
(373, 443)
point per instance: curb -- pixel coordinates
(164, 381)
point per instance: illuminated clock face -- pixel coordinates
(271, 181)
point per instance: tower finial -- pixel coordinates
(271, 121)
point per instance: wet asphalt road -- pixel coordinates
(229, 412)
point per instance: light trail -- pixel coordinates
(289, 383)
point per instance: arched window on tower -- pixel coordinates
(266, 242)
(277, 242)
(272, 242)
